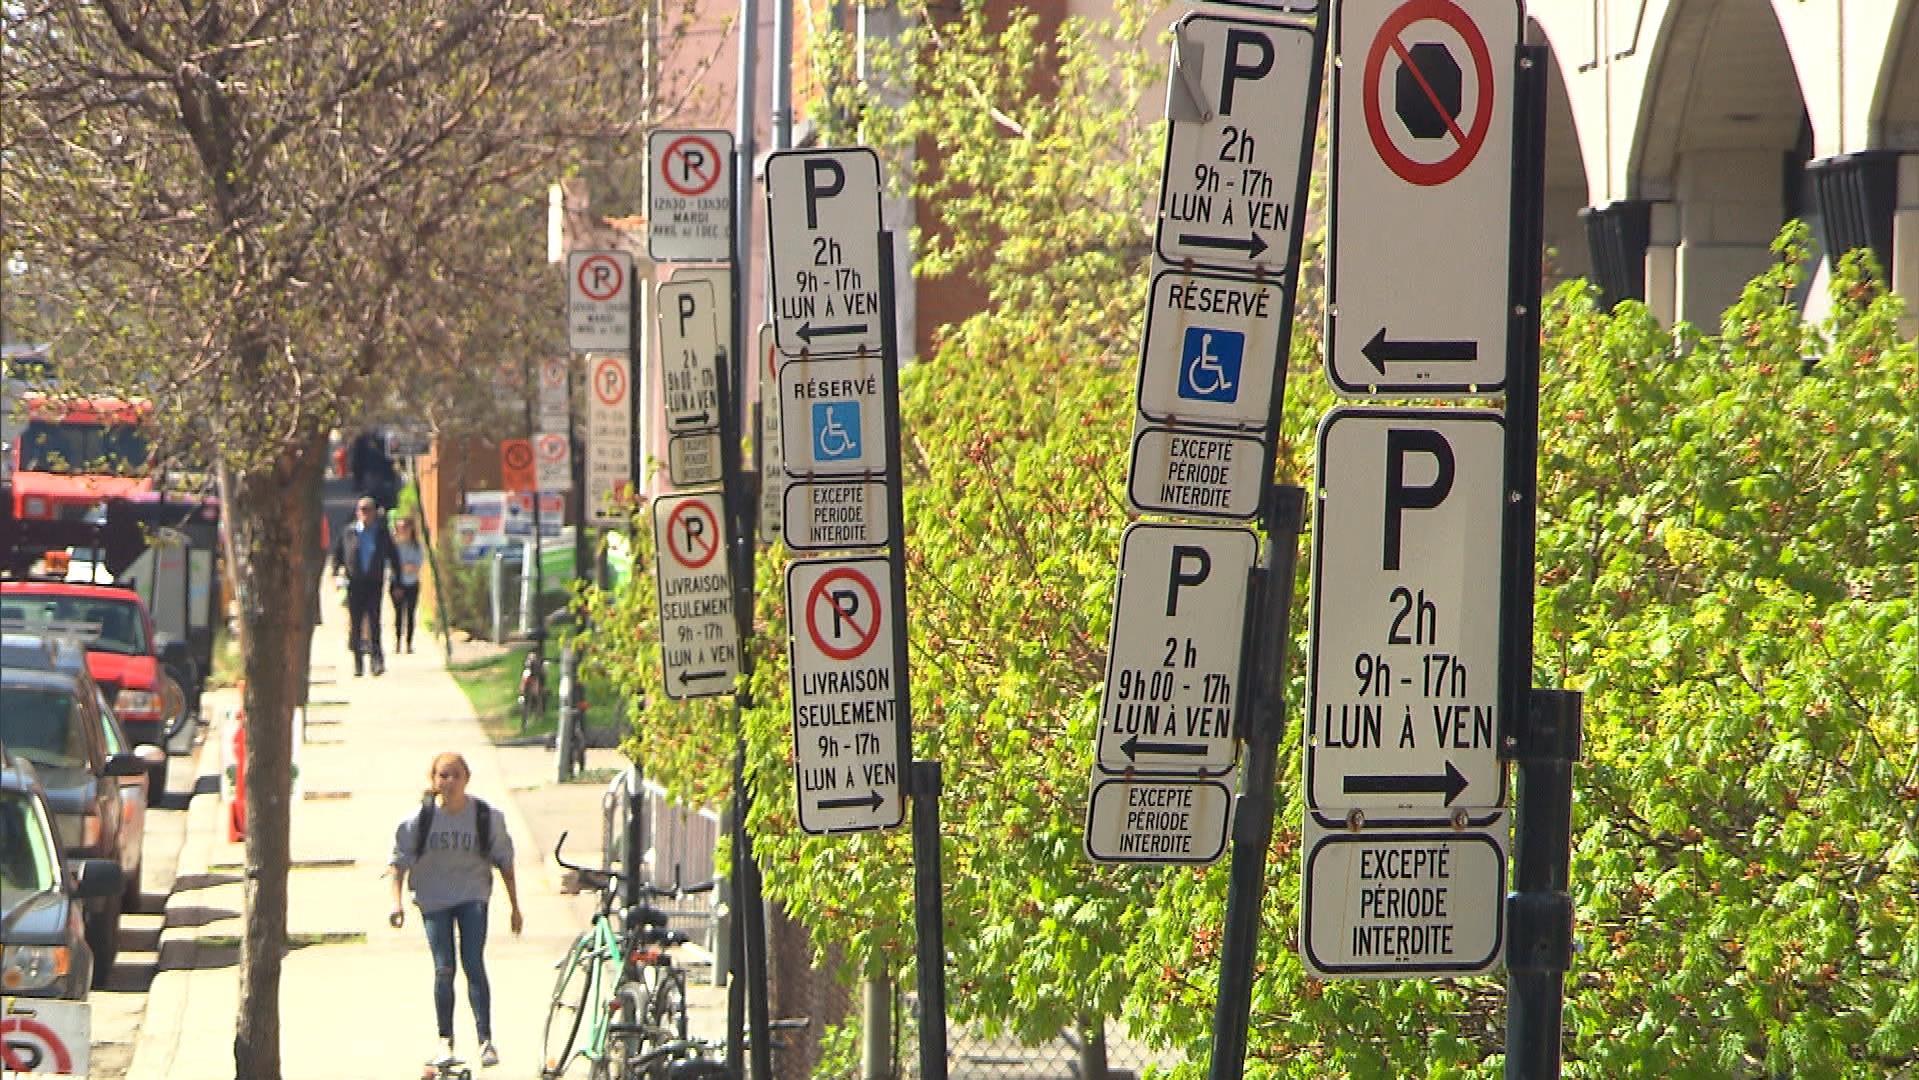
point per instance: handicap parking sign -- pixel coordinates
(1209, 364)
(836, 430)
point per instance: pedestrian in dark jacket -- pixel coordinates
(362, 555)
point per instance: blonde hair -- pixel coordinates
(445, 758)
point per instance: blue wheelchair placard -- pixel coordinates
(1209, 364)
(1213, 350)
(836, 430)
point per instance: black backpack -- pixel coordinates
(482, 813)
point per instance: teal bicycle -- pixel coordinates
(605, 1011)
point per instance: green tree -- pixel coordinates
(1728, 540)
(271, 218)
(1729, 531)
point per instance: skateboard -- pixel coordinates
(446, 1068)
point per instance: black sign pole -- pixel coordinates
(1543, 726)
(539, 578)
(1263, 683)
(920, 780)
(635, 799)
(751, 921)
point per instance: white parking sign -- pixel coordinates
(845, 694)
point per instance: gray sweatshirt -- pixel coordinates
(452, 870)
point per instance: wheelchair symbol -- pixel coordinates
(836, 430)
(1209, 364)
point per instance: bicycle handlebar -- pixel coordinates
(612, 877)
(585, 871)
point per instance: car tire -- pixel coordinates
(103, 937)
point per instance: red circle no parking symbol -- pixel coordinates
(609, 381)
(692, 534)
(27, 1045)
(600, 277)
(851, 613)
(1427, 86)
(691, 166)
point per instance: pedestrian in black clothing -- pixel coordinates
(406, 584)
(362, 555)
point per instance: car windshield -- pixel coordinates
(26, 851)
(43, 726)
(103, 624)
(116, 450)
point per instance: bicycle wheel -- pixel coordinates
(666, 1012)
(566, 1009)
(624, 1048)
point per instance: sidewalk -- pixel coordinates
(358, 1002)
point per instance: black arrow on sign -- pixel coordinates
(1382, 350)
(1252, 244)
(1134, 748)
(1450, 784)
(871, 800)
(700, 421)
(690, 676)
(808, 331)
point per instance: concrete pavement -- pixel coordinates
(356, 995)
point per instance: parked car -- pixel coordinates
(47, 719)
(122, 652)
(43, 942)
(38, 652)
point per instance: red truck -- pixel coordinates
(74, 454)
(113, 624)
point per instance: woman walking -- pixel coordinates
(406, 583)
(448, 849)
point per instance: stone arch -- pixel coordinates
(1895, 120)
(1720, 148)
(1567, 192)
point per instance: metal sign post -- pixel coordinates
(1544, 725)
(740, 505)
(929, 919)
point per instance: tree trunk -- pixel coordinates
(1092, 1048)
(274, 514)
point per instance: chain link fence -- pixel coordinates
(1103, 1054)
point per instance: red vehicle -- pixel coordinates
(74, 454)
(118, 634)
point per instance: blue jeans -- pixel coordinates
(470, 919)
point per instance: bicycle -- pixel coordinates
(603, 989)
(703, 1059)
(569, 736)
(532, 697)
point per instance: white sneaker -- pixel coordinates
(489, 1056)
(442, 1053)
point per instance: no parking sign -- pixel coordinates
(846, 694)
(46, 1037)
(699, 636)
(1422, 124)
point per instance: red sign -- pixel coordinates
(516, 465)
(600, 277)
(609, 380)
(1423, 87)
(692, 165)
(692, 534)
(27, 1045)
(852, 613)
